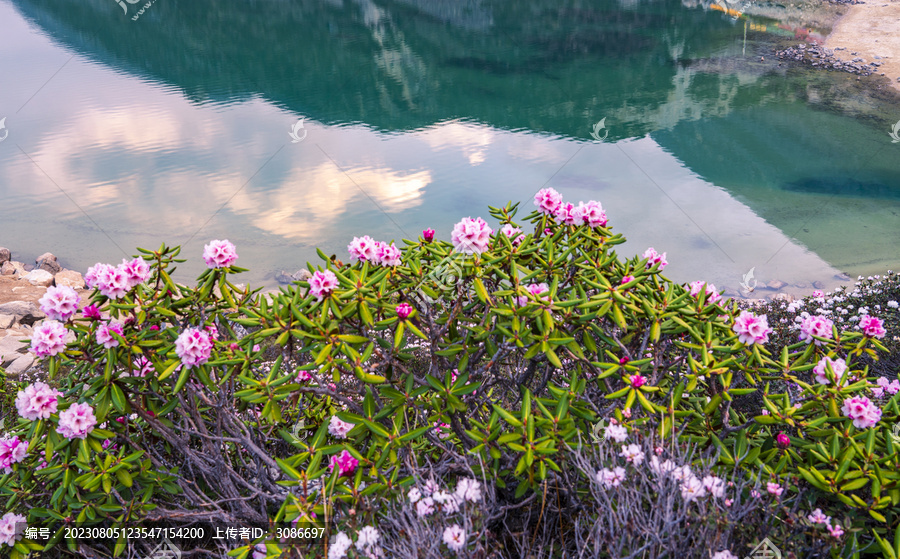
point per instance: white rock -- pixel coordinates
(42, 278)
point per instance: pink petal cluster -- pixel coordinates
(404, 310)
(77, 421)
(835, 530)
(626, 279)
(137, 271)
(638, 381)
(818, 517)
(752, 329)
(892, 387)
(872, 327)
(91, 312)
(111, 281)
(345, 463)
(37, 401)
(774, 489)
(712, 295)
(632, 453)
(321, 284)
(442, 430)
(304, 376)
(567, 213)
(591, 214)
(455, 537)
(11, 528)
(12, 450)
(514, 234)
(339, 428)
(367, 249)
(142, 366)
(193, 347)
(547, 200)
(104, 336)
(611, 477)
(862, 411)
(60, 302)
(471, 236)
(219, 254)
(49, 338)
(654, 258)
(535, 289)
(839, 366)
(428, 235)
(389, 255)
(816, 325)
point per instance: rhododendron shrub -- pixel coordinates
(505, 350)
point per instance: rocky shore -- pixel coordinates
(820, 57)
(21, 287)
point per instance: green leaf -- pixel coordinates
(510, 418)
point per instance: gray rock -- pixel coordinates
(775, 284)
(10, 268)
(4, 255)
(42, 278)
(818, 285)
(47, 262)
(787, 297)
(27, 313)
(69, 278)
(801, 285)
(11, 347)
(301, 275)
(20, 365)
(283, 278)
(842, 277)
(6, 320)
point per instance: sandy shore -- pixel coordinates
(870, 31)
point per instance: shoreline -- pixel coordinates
(868, 33)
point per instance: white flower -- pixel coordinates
(429, 487)
(414, 494)
(682, 473)
(449, 502)
(425, 506)
(339, 428)
(663, 468)
(724, 554)
(468, 490)
(367, 537)
(632, 453)
(893, 304)
(455, 537)
(611, 478)
(617, 433)
(714, 485)
(692, 488)
(339, 547)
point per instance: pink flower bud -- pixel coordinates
(428, 235)
(783, 441)
(404, 310)
(638, 381)
(624, 360)
(92, 312)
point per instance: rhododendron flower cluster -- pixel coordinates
(115, 281)
(404, 310)
(774, 489)
(548, 201)
(816, 325)
(339, 547)
(104, 335)
(514, 234)
(12, 451)
(611, 477)
(752, 329)
(77, 421)
(535, 289)
(892, 387)
(838, 366)
(49, 338)
(219, 254)
(616, 433)
(862, 411)
(137, 271)
(724, 554)
(455, 537)
(60, 302)
(11, 528)
(339, 428)
(345, 462)
(711, 294)
(367, 542)
(632, 453)
(654, 257)
(194, 347)
(321, 284)
(37, 401)
(818, 517)
(872, 327)
(428, 235)
(471, 236)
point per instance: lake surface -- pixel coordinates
(175, 127)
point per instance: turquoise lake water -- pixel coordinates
(175, 126)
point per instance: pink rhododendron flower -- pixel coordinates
(77, 421)
(764, 412)
(883, 384)
(591, 214)
(839, 366)
(455, 537)
(260, 551)
(817, 293)
(816, 325)
(783, 441)
(425, 506)
(404, 310)
(60, 302)
(12, 451)
(872, 327)
(142, 366)
(514, 234)
(49, 338)
(339, 547)
(339, 428)
(321, 284)
(547, 200)
(638, 381)
(91, 312)
(692, 488)
(11, 528)
(304, 376)
(113, 282)
(137, 271)
(632, 453)
(193, 347)
(92, 276)
(37, 401)
(363, 249)
(428, 235)
(219, 254)
(655, 258)
(862, 411)
(818, 517)
(611, 477)
(711, 294)
(626, 279)
(345, 463)
(752, 329)
(715, 486)
(616, 433)
(724, 554)
(104, 336)
(535, 289)
(367, 540)
(468, 489)
(774, 489)
(835, 530)
(567, 213)
(471, 236)
(442, 430)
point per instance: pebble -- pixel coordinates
(821, 57)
